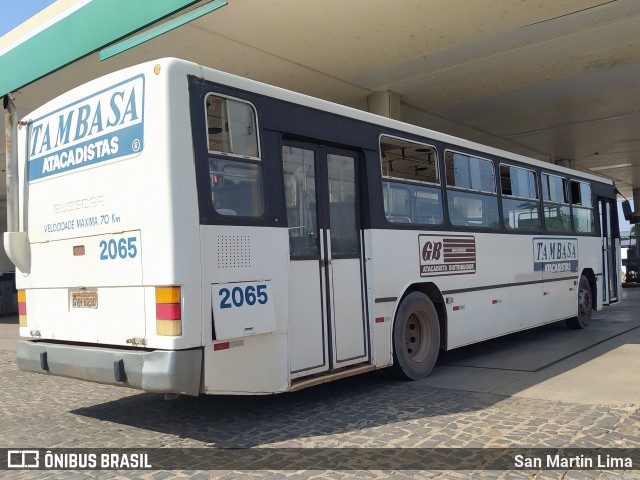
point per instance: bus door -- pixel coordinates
(610, 260)
(327, 327)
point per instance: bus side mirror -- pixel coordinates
(626, 210)
(18, 249)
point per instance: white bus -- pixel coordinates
(183, 230)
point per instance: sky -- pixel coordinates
(15, 12)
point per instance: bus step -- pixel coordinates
(329, 377)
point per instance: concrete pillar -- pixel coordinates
(385, 103)
(563, 162)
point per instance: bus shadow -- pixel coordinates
(349, 406)
(548, 362)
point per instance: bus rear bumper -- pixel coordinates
(163, 371)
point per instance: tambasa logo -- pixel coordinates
(555, 255)
(104, 126)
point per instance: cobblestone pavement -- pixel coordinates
(39, 411)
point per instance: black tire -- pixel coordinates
(585, 305)
(416, 337)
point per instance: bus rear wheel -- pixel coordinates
(585, 305)
(416, 337)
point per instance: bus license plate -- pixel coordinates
(84, 299)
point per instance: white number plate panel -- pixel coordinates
(243, 308)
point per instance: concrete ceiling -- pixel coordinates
(557, 80)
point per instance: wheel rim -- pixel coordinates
(416, 336)
(584, 303)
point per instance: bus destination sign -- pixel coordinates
(107, 125)
(447, 255)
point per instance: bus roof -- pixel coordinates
(342, 110)
(218, 76)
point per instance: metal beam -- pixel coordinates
(160, 29)
(83, 31)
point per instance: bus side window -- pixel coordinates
(471, 191)
(410, 182)
(396, 202)
(235, 169)
(557, 214)
(231, 127)
(427, 206)
(236, 188)
(520, 202)
(582, 207)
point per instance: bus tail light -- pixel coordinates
(22, 307)
(168, 311)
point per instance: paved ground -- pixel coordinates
(545, 388)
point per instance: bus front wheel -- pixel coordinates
(416, 337)
(585, 305)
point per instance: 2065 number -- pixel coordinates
(238, 296)
(122, 248)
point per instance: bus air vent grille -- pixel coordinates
(234, 251)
